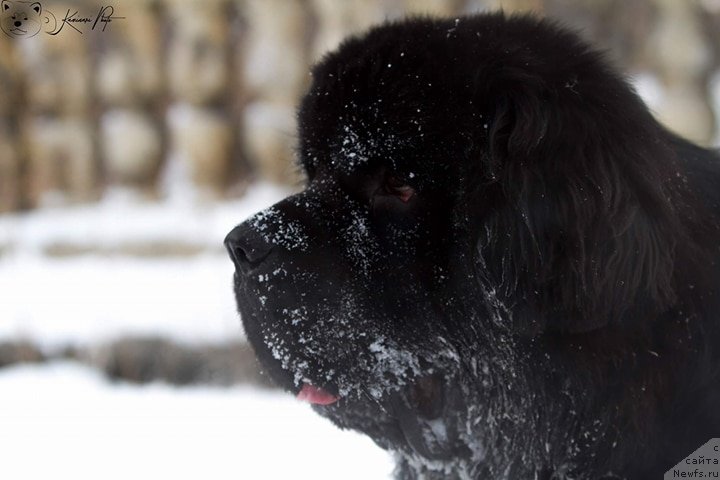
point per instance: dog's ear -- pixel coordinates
(5, 5)
(585, 230)
(37, 8)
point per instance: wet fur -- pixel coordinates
(545, 306)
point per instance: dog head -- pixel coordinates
(479, 190)
(20, 19)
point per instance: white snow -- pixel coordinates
(89, 298)
(124, 219)
(280, 230)
(64, 421)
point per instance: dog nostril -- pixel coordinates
(246, 247)
(18, 24)
(237, 254)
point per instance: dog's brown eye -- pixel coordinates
(396, 187)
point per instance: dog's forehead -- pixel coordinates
(390, 121)
(393, 96)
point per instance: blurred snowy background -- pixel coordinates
(127, 154)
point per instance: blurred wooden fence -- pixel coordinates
(207, 89)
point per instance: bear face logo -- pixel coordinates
(20, 19)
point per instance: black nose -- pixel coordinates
(247, 248)
(18, 24)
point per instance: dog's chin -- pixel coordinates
(407, 415)
(417, 420)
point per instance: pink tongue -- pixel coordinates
(316, 395)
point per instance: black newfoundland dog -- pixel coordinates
(501, 266)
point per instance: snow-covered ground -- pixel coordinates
(64, 421)
(83, 299)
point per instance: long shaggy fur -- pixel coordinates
(502, 265)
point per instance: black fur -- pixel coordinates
(501, 264)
